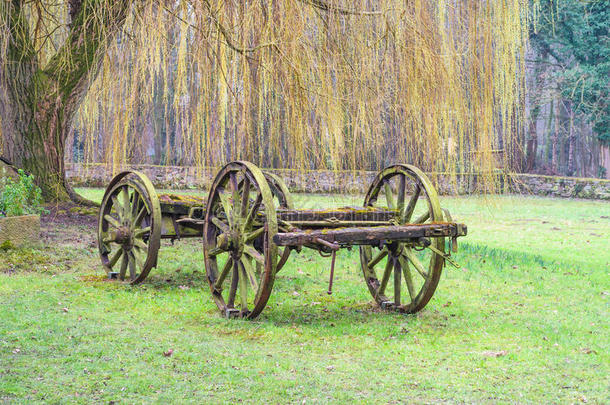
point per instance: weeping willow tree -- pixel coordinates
(283, 83)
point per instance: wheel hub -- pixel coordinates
(124, 236)
(231, 241)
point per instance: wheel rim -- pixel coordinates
(281, 199)
(240, 256)
(404, 276)
(128, 228)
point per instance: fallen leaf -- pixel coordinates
(491, 353)
(168, 353)
(446, 304)
(586, 350)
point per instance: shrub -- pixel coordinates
(20, 197)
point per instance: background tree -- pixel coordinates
(569, 90)
(49, 60)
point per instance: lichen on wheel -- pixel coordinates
(403, 275)
(129, 227)
(238, 235)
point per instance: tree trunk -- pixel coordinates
(39, 102)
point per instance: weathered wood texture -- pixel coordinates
(371, 235)
(349, 214)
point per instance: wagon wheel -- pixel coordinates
(129, 227)
(282, 199)
(238, 235)
(408, 190)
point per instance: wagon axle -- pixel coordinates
(249, 226)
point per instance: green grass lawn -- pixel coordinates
(524, 320)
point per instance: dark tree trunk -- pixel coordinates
(38, 103)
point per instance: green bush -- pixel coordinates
(20, 197)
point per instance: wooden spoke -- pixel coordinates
(123, 266)
(215, 251)
(140, 255)
(125, 196)
(378, 257)
(388, 195)
(139, 243)
(245, 198)
(235, 196)
(138, 219)
(115, 257)
(141, 231)
(112, 221)
(400, 204)
(118, 207)
(255, 234)
(132, 266)
(416, 263)
(234, 282)
(243, 290)
(221, 225)
(224, 201)
(135, 203)
(253, 210)
(108, 238)
(422, 218)
(405, 215)
(223, 274)
(253, 253)
(397, 272)
(249, 272)
(386, 276)
(404, 264)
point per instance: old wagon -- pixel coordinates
(249, 227)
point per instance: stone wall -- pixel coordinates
(19, 231)
(323, 181)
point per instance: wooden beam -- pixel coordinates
(370, 235)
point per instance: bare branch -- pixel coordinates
(331, 8)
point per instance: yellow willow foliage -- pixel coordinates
(304, 84)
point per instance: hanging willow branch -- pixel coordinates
(332, 8)
(303, 83)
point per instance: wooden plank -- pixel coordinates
(348, 214)
(370, 235)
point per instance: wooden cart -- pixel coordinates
(249, 226)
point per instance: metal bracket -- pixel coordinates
(445, 256)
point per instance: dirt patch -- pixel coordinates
(69, 224)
